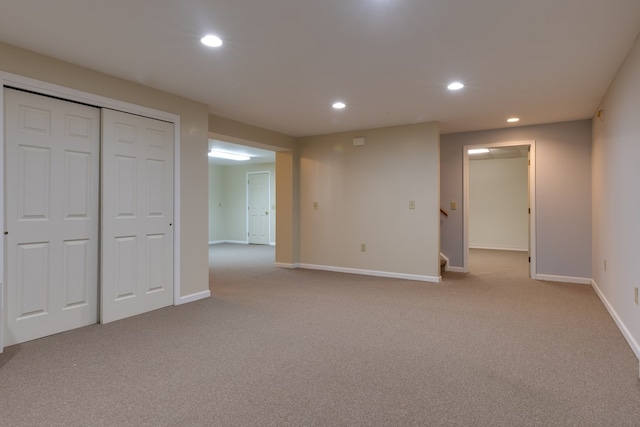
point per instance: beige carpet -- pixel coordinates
(276, 347)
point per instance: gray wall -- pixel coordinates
(563, 193)
(616, 199)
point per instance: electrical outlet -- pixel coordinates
(635, 295)
(315, 206)
(363, 247)
(412, 204)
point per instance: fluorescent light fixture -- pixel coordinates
(229, 156)
(455, 86)
(339, 105)
(479, 151)
(211, 41)
(513, 119)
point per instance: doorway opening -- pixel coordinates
(241, 195)
(504, 221)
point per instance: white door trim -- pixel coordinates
(3, 224)
(532, 199)
(269, 192)
(44, 88)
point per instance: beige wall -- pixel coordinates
(216, 203)
(363, 196)
(563, 193)
(246, 134)
(193, 151)
(498, 203)
(405, 160)
(229, 187)
(288, 208)
(616, 199)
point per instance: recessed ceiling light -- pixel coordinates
(479, 151)
(229, 156)
(513, 119)
(211, 41)
(339, 105)
(455, 86)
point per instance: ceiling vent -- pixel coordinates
(357, 142)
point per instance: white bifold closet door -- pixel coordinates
(52, 199)
(137, 215)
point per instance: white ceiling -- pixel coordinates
(285, 61)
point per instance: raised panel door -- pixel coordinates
(52, 197)
(137, 215)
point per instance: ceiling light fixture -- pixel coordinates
(229, 156)
(339, 105)
(479, 151)
(455, 86)
(211, 41)
(513, 119)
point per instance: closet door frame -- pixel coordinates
(48, 89)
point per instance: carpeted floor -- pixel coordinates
(276, 347)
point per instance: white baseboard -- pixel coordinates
(623, 328)
(455, 269)
(498, 248)
(563, 279)
(285, 265)
(432, 279)
(194, 297)
(234, 242)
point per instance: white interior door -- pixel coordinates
(52, 198)
(258, 196)
(137, 215)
